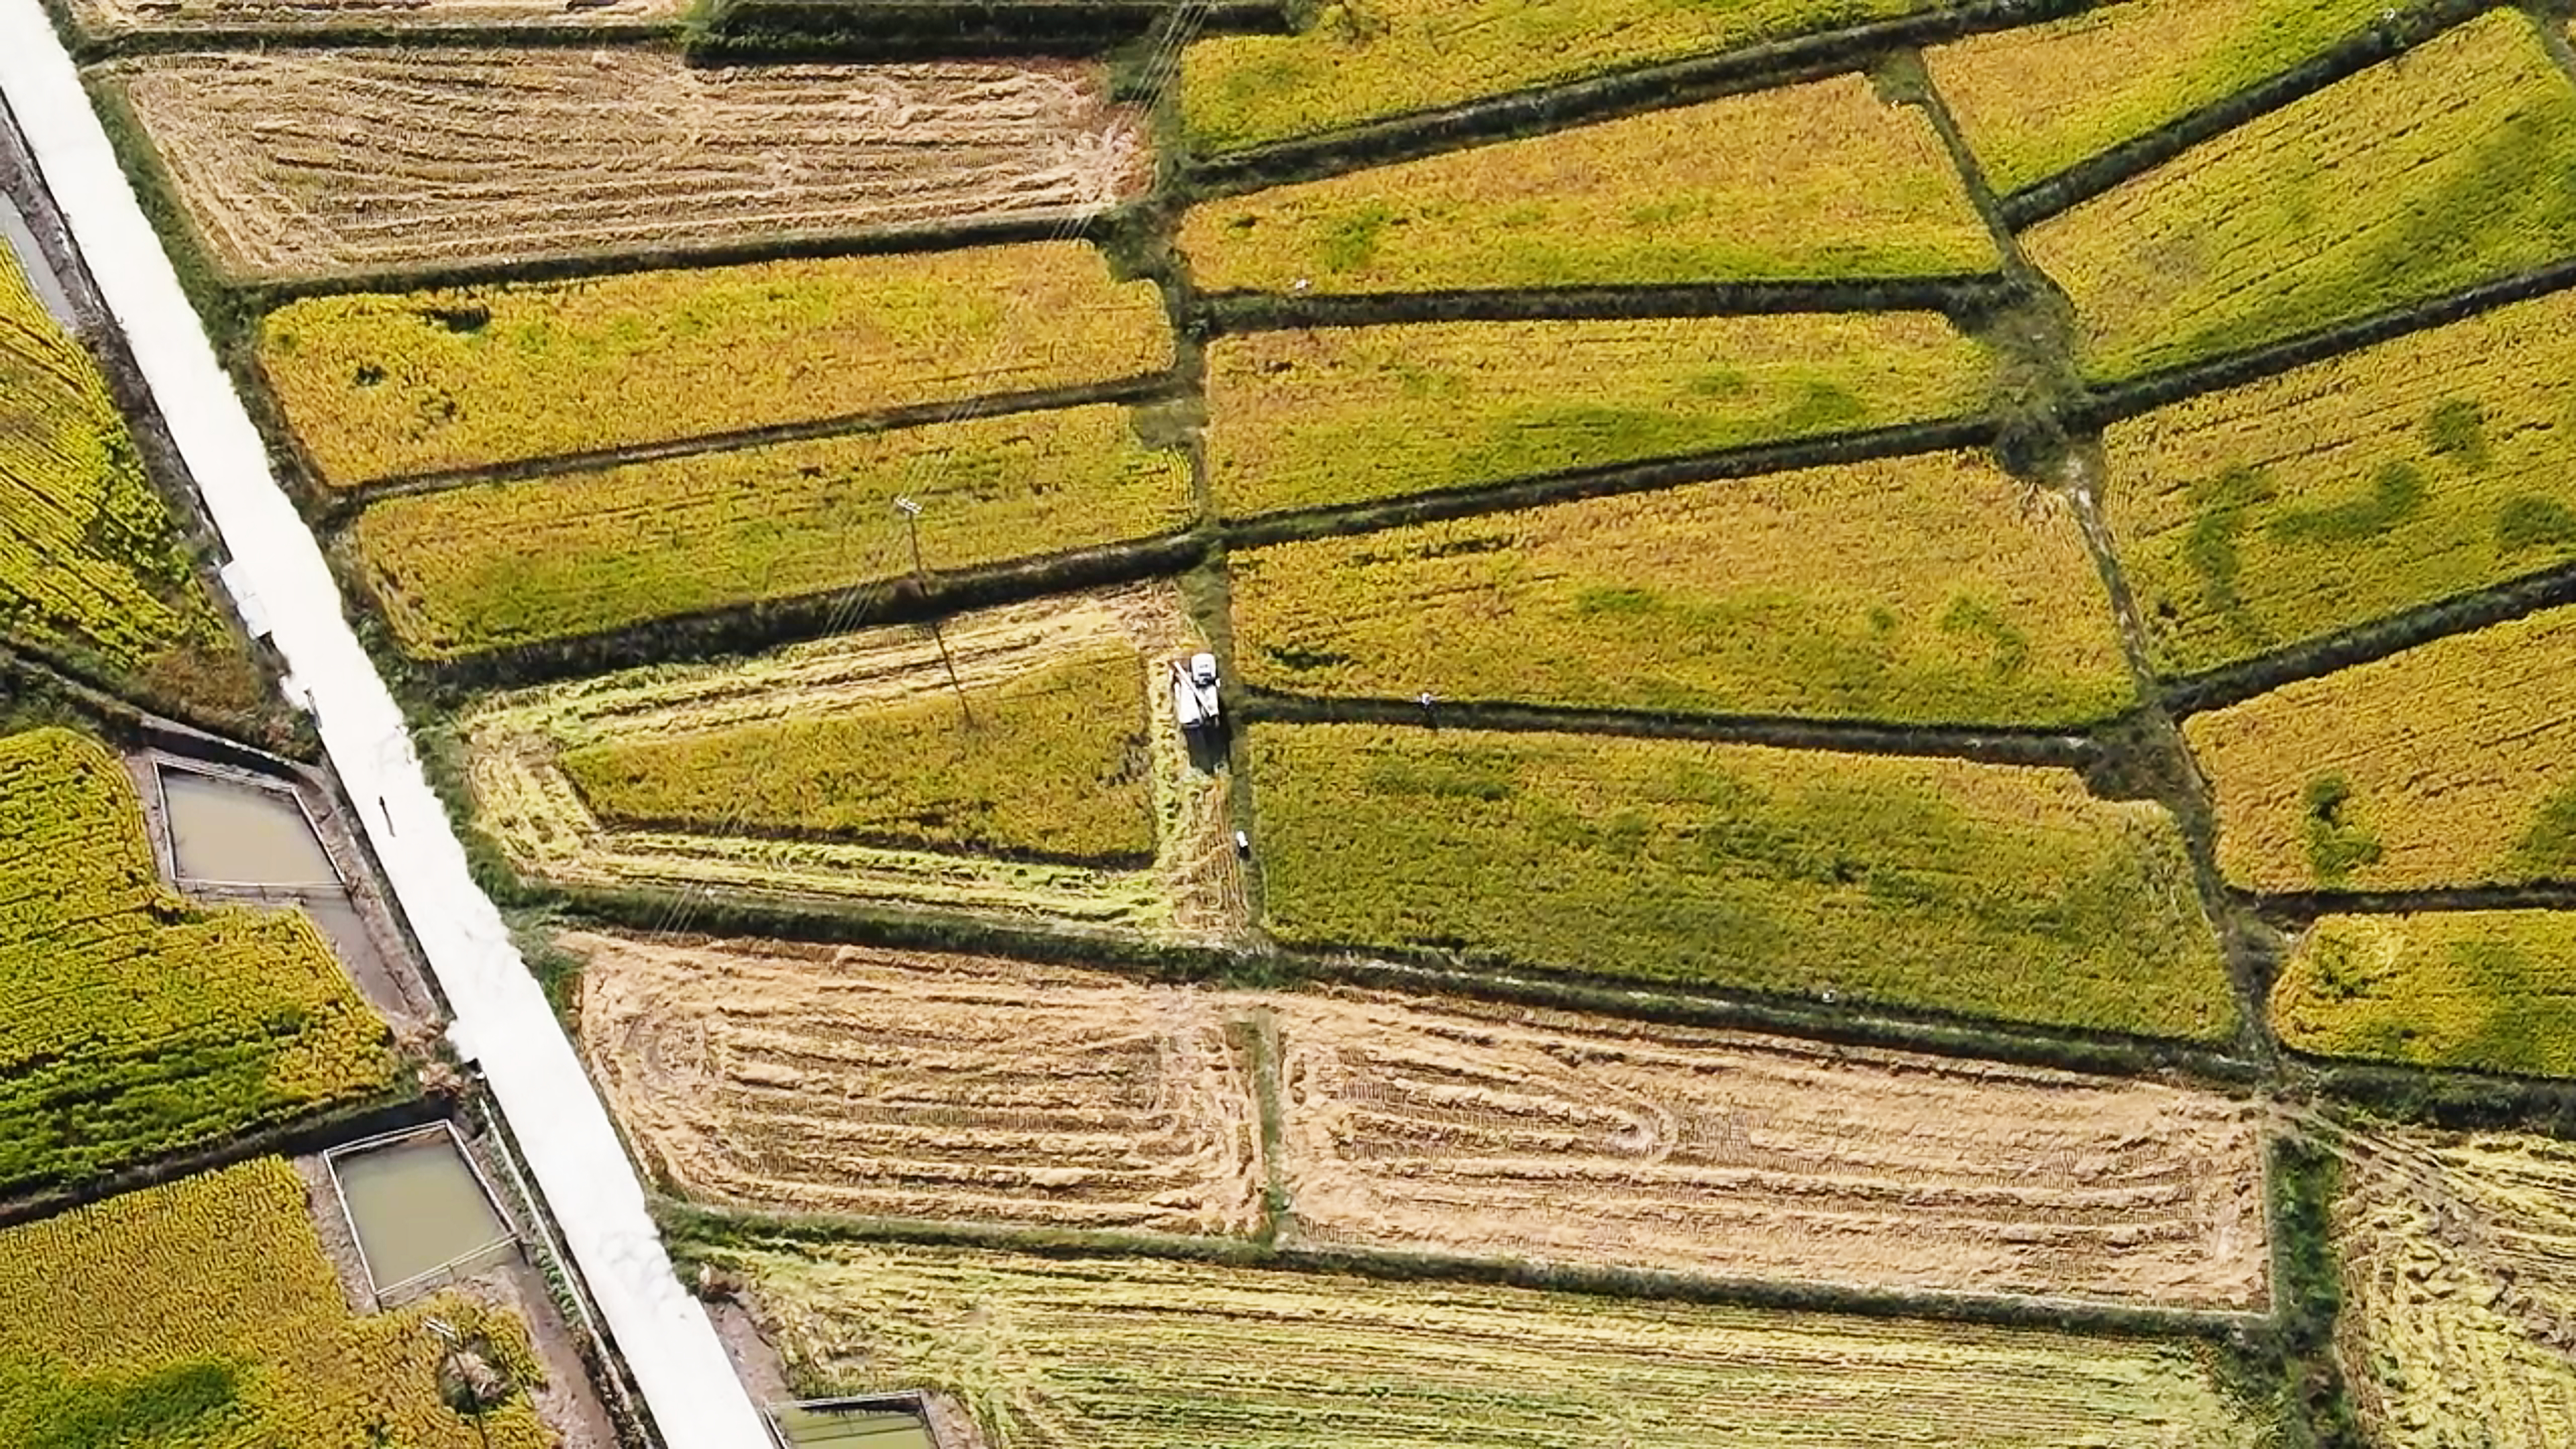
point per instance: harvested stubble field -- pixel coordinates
(300, 163)
(1363, 60)
(1989, 890)
(382, 384)
(1311, 419)
(916, 1086)
(2408, 180)
(2144, 63)
(2350, 489)
(1819, 181)
(202, 1314)
(2444, 765)
(2489, 990)
(1468, 1128)
(1925, 590)
(1132, 1353)
(2459, 1266)
(137, 1025)
(525, 801)
(91, 567)
(122, 17)
(472, 569)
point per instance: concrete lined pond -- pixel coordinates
(417, 1207)
(870, 1426)
(231, 831)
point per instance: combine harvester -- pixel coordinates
(1194, 697)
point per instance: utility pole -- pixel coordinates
(911, 512)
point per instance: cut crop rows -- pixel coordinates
(122, 17)
(2490, 990)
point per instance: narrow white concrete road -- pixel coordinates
(502, 1018)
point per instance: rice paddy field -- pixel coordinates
(2405, 181)
(1928, 590)
(1328, 417)
(2490, 990)
(1817, 181)
(2335, 494)
(2444, 765)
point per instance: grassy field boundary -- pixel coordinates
(728, 32)
(1963, 297)
(2454, 1099)
(2382, 40)
(1538, 109)
(692, 1223)
(2301, 907)
(2307, 1290)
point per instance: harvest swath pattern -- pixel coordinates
(112, 17)
(281, 158)
(137, 1025)
(467, 570)
(2444, 765)
(2145, 63)
(2350, 489)
(1929, 589)
(911, 1086)
(381, 384)
(2490, 990)
(203, 1315)
(2410, 179)
(1526, 1135)
(1815, 181)
(2013, 892)
(1127, 1353)
(1355, 63)
(1307, 419)
(524, 801)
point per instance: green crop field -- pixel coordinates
(136, 1025)
(1924, 590)
(1363, 60)
(1814, 181)
(2492, 990)
(1312, 419)
(464, 570)
(1990, 890)
(1050, 763)
(1135, 1353)
(2351, 489)
(2146, 64)
(384, 384)
(2444, 765)
(2410, 179)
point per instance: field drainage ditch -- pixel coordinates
(873, 1423)
(229, 831)
(420, 1210)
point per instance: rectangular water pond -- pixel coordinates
(417, 1207)
(868, 1426)
(234, 832)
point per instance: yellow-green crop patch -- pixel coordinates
(1817, 181)
(2444, 765)
(1926, 590)
(1137, 1353)
(136, 1025)
(1052, 762)
(1312, 419)
(377, 385)
(2144, 63)
(2350, 489)
(2416, 177)
(1364, 60)
(466, 570)
(2490, 990)
(1990, 890)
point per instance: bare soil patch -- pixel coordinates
(328, 161)
(120, 17)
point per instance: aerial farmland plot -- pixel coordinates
(2465, 988)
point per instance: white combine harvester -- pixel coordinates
(1194, 701)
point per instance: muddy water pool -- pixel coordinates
(871, 1428)
(239, 833)
(417, 1206)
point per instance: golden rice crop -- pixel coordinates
(2143, 64)
(1989, 890)
(1929, 589)
(1305, 419)
(1135, 1353)
(1822, 180)
(133, 1024)
(1360, 60)
(202, 1314)
(2408, 180)
(2350, 489)
(383, 384)
(463, 570)
(2443, 765)
(2490, 990)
